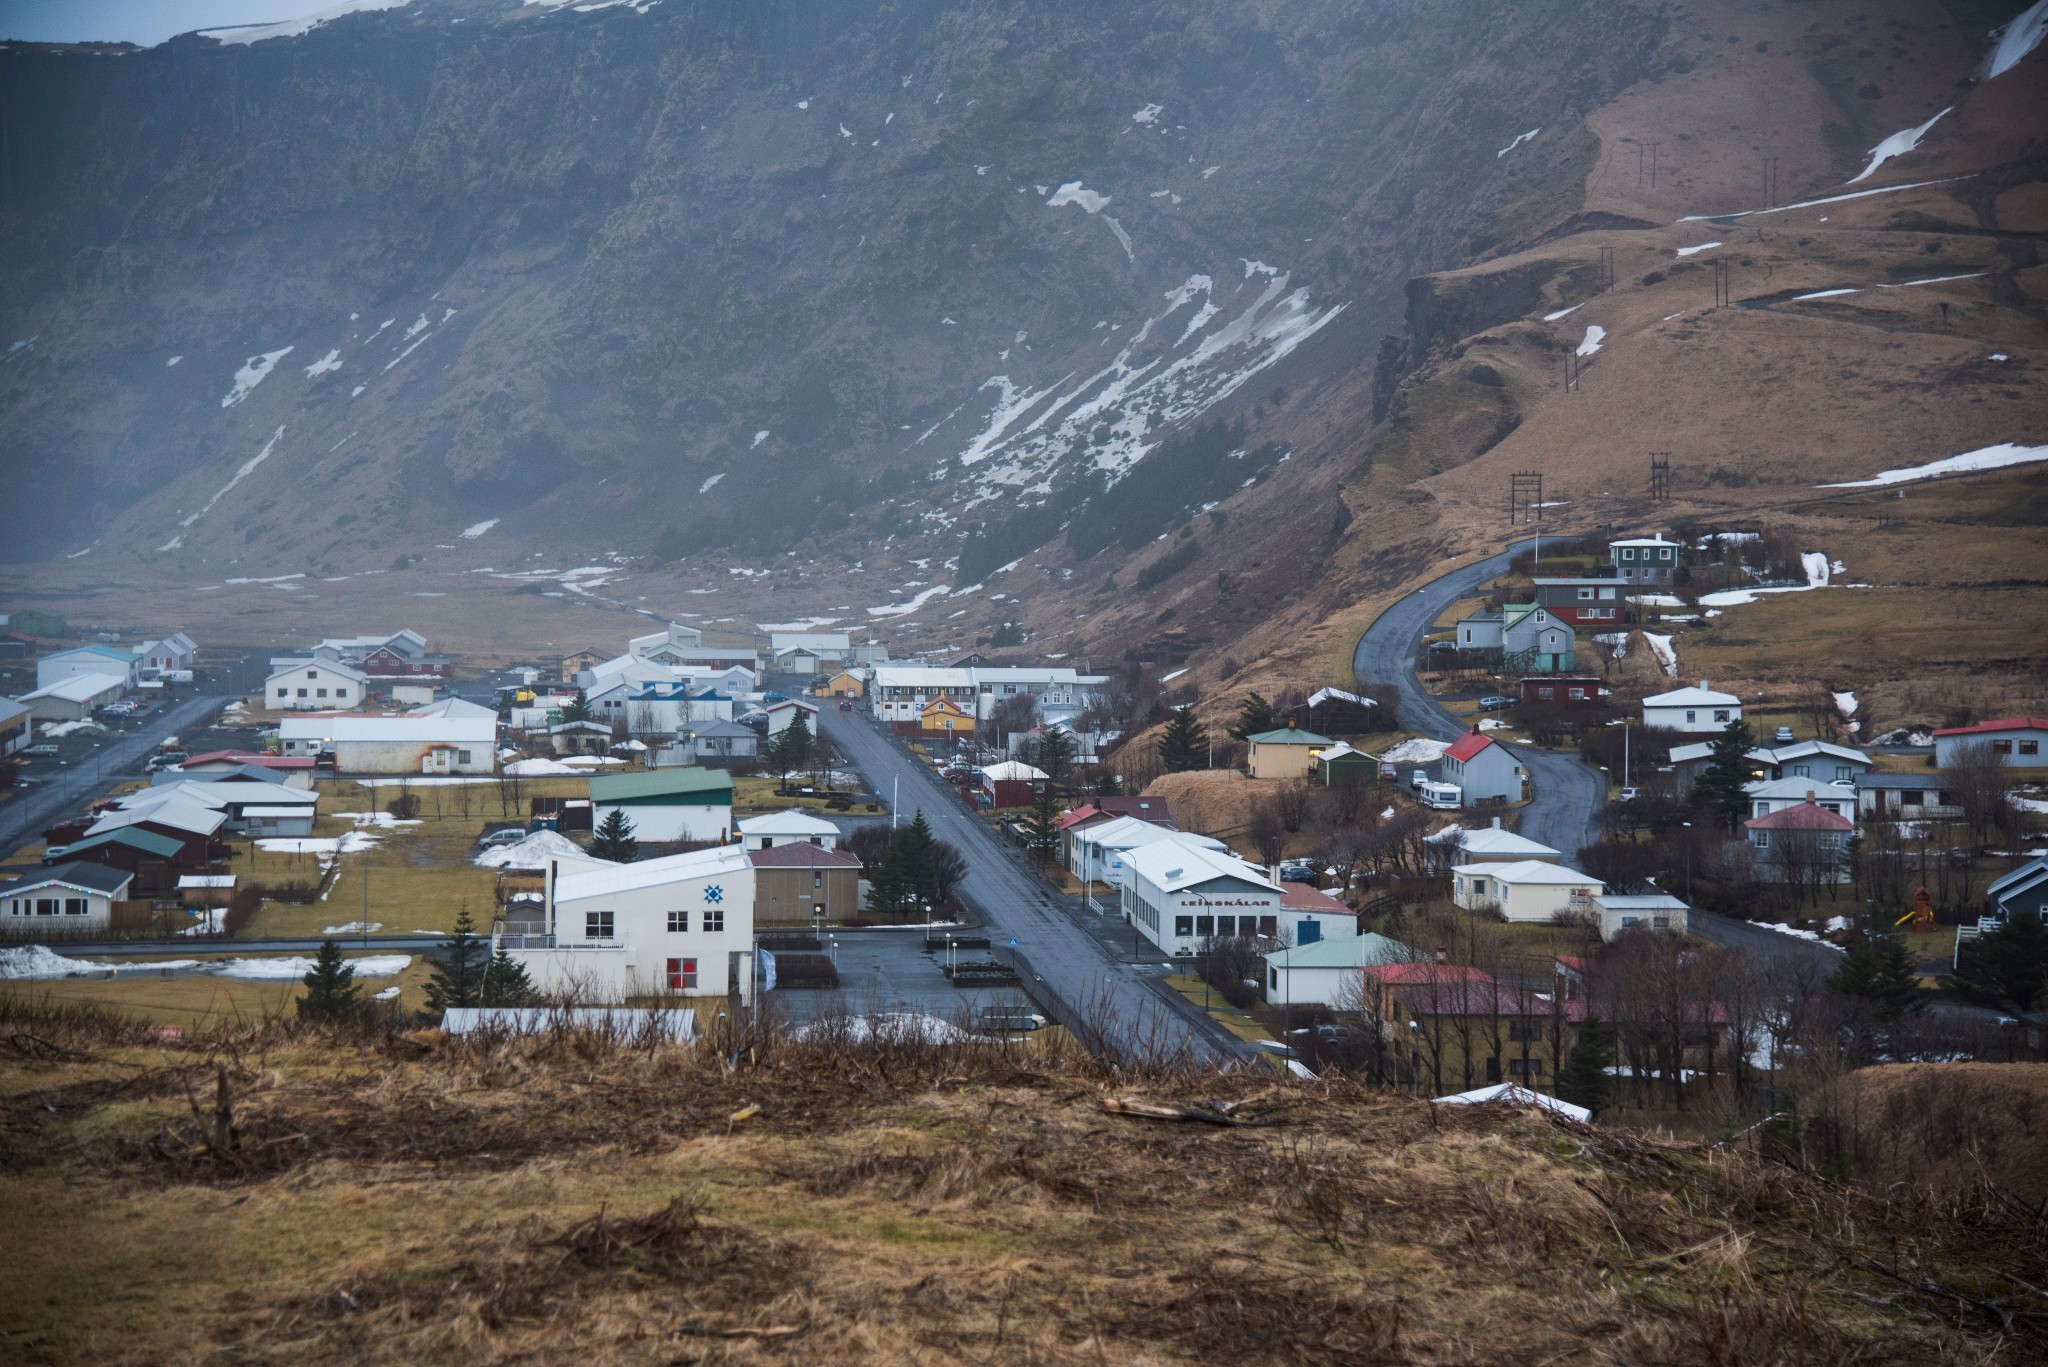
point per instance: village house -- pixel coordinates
(682, 925)
(772, 829)
(1906, 797)
(1328, 973)
(400, 657)
(1484, 770)
(580, 737)
(896, 694)
(2023, 892)
(943, 719)
(74, 698)
(1487, 844)
(1179, 896)
(844, 684)
(1340, 762)
(1802, 842)
(2016, 741)
(152, 859)
(196, 826)
(1012, 784)
(1645, 560)
(69, 899)
(667, 805)
(86, 661)
(1286, 753)
(1542, 691)
(1528, 890)
(401, 744)
(168, 655)
(255, 801)
(1775, 794)
(576, 662)
(804, 884)
(1696, 710)
(781, 715)
(1534, 642)
(1655, 911)
(1097, 811)
(1599, 603)
(661, 645)
(1478, 631)
(722, 744)
(808, 652)
(1335, 712)
(1816, 759)
(1095, 852)
(314, 686)
(292, 772)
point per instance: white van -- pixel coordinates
(1443, 795)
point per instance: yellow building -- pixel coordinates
(844, 684)
(944, 717)
(1287, 753)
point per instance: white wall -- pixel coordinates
(403, 757)
(645, 944)
(665, 822)
(1701, 718)
(17, 912)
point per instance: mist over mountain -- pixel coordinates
(693, 276)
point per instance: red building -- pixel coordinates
(1558, 690)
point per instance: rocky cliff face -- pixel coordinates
(693, 275)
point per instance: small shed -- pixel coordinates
(1012, 784)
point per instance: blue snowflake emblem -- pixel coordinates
(714, 894)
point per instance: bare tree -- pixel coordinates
(1977, 781)
(1267, 830)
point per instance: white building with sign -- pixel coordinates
(1180, 895)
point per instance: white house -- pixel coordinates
(172, 654)
(683, 925)
(782, 714)
(898, 693)
(73, 698)
(1775, 794)
(1491, 844)
(395, 745)
(1484, 770)
(1328, 972)
(805, 652)
(69, 897)
(787, 828)
(314, 686)
(1657, 910)
(661, 645)
(1527, 890)
(672, 804)
(95, 659)
(1691, 709)
(1179, 895)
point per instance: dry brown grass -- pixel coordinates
(408, 1198)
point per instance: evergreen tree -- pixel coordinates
(791, 750)
(1185, 743)
(505, 981)
(458, 967)
(614, 840)
(578, 708)
(2006, 968)
(908, 873)
(1041, 833)
(1877, 968)
(1584, 1079)
(1055, 757)
(1722, 786)
(1107, 784)
(1254, 716)
(331, 990)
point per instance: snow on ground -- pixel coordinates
(1595, 335)
(1897, 145)
(759, 437)
(1816, 566)
(174, 360)
(209, 922)
(534, 852)
(248, 467)
(283, 970)
(1520, 138)
(1417, 751)
(38, 961)
(2028, 804)
(539, 768)
(1657, 600)
(354, 842)
(331, 361)
(383, 821)
(65, 728)
(1985, 458)
(1845, 703)
(295, 28)
(1149, 114)
(905, 609)
(354, 928)
(1123, 239)
(477, 529)
(252, 374)
(579, 763)
(708, 484)
(891, 1025)
(1073, 192)
(1703, 247)
(411, 347)
(2021, 36)
(1814, 203)
(1660, 647)
(1561, 313)
(1796, 932)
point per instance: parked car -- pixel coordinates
(1443, 647)
(1783, 735)
(1629, 794)
(1299, 871)
(47, 750)
(1494, 702)
(846, 704)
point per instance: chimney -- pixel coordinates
(1496, 823)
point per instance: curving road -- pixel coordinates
(1564, 812)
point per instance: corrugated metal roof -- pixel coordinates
(718, 862)
(710, 785)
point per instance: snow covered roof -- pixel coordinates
(453, 730)
(1512, 1094)
(1420, 750)
(1645, 541)
(1794, 789)
(720, 861)
(786, 823)
(179, 814)
(1129, 832)
(1172, 865)
(1012, 771)
(78, 688)
(1495, 842)
(83, 875)
(1806, 748)
(1533, 871)
(1700, 696)
(323, 668)
(1641, 901)
(1323, 695)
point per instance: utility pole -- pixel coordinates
(1660, 476)
(1724, 291)
(1770, 182)
(1607, 268)
(1653, 163)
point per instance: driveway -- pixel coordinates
(1564, 812)
(1083, 957)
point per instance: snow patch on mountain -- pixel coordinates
(253, 372)
(248, 467)
(1897, 145)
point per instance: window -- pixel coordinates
(1661, 922)
(679, 923)
(1274, 975)
(302, 692)
(74, 906)
(319, 692)
(1184, 926)
(341, 692)
(682, 975)
(2001, 747)
(462, 756)
(1575, 694)
(284, 692)
(817, 879)
(1842, 771)
(2030, 747)
(1226, 926)
(1628, 921)
(1721, 716)
(714, 918)
(1205, 925)
(1269, 926)
(597, 925)
(1628, 553)
(1586, 595)
(46, 906)
(1521, 1029)
(1800, 771)
(1691, 715)
(1479, 887)
(1607, 596)
(1761, 839)
(1546, 692)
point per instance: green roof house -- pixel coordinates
(1285, 753)
(668, 805)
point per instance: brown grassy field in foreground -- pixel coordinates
(274, 1194)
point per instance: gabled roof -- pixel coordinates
(349, 727)
(2027, 875)
(1171, 865)
(721, 730)
(180, 814)
(1532, 871)
(10, 709)
(1801, 816)
(245, 759)
(1301, 897)
(720, 861)
(1012, 771)
(1702, 749)
(149, 842)
(81, 874)
(126, 657)
(280, 668)
(709, 785)
(1129, 832)
(2008, 724)
(1702, 696)
(1289, 735)
(1468, 745)
(1925, 778)
(1423, 972)
(1641, 901)
(1793, 789)
(1097, 809)
(1491, 842)
(803, 855)
(1647, 541)
(787, 823)
(1354, 951)
(1786, 753)
(78, 688)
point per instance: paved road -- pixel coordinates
(1568, 792)
(62, 791)
(1069, 947)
